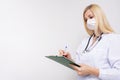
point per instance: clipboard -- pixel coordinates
(63, 60)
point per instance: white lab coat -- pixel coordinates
(105, 56)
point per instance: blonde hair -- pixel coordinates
(102, 24)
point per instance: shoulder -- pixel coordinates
(112, 36)
(113, 40)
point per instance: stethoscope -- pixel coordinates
(86, 48)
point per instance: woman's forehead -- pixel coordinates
(88, 13)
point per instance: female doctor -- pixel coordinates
(99, 53)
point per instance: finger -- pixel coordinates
(82, 64)
(74, 67)
(61, 52)
(79, 73)
(66, 53)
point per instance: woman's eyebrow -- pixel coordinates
(90, 15)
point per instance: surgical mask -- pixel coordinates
(91, 24)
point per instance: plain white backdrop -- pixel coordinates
(32, 29)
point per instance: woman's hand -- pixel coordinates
(65, 54)
(85, 70)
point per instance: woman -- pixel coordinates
(99, 54)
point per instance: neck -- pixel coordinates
(97, 35)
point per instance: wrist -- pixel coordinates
(94, 71)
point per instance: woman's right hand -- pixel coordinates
(65, 54)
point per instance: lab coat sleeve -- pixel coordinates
(113, 57)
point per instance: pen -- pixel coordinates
(65, 50)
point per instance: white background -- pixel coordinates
(32, 29)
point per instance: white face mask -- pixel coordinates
(91, 24)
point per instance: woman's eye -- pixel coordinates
(91, 17)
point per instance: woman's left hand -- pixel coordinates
(85, 70)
